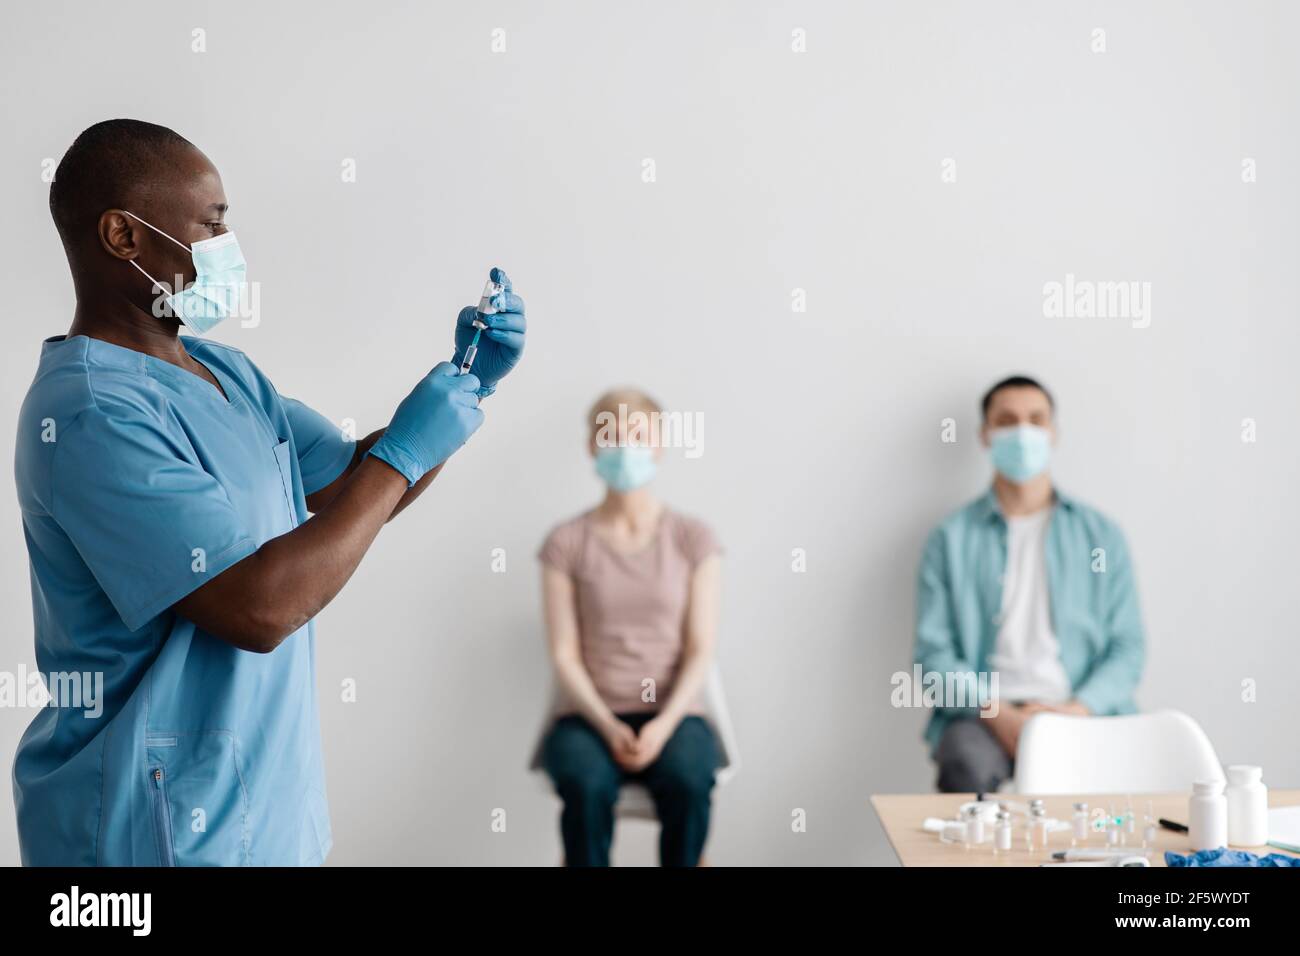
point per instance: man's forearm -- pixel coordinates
(303, 571)
(261, 600)
(319, 501)
(415, 490)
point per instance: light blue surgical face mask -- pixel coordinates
(1021, 451)
(626, 467)
(218, 280)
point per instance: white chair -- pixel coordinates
(1160, 752)
(634, 800)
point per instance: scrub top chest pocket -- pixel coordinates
(284, 465)
(261, 486)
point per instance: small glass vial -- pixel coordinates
(1112, 830)
(1080, 820)
(1149, 828)
(1002, 833)
(485, 306)
(1130, 819)
(974, 827)
(1036, 810)
(1038, 818)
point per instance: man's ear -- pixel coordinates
(984, 434)
(117, 234)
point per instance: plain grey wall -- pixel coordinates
(776, 171)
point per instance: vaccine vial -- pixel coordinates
(1038, 823)
(1036, 810)
(974, 827)
(1002, 833)
(1112, 828)
(490, 292)
(1080, 821)
(1149, 828)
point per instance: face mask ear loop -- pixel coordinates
(157, 230)
(158, 285)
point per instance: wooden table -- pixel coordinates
(901, 815)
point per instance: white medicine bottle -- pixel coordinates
(1207, 825)
(1247, 806)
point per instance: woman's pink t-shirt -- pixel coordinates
(631, 607)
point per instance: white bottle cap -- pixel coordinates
(1244, 773)
(1207, 787)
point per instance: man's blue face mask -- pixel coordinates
(1021, 451)
(625, 467)
(218, 280)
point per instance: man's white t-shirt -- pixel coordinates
(1027, 655)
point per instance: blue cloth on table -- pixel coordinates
(1225, 857)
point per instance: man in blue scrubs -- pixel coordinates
(185, 523)
(1028, 583)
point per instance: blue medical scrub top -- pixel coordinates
(137, 483)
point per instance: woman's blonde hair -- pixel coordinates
(631, 399)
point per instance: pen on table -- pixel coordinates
(1076, 854)
(1173, 825)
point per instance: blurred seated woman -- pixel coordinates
(631, 600)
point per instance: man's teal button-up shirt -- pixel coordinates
(1093, 596)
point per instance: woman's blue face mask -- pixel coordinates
(625, 467)
(1020, 452)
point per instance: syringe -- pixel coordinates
(485, 307)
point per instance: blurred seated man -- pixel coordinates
(1030, 586)
(630, 589)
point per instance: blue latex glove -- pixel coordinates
(502, 342)
(432, 422)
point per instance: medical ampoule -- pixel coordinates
(1149, 829)
(1038, 818)
(974, 827)
(1080, 824)
(1002, 833)
(1035, 808)
(1130, 820)
(490, 291)
(1112, 827)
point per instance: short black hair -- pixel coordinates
(1016, 381)
(101, 168)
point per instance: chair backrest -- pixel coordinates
(714, 704)
(1159, 752)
